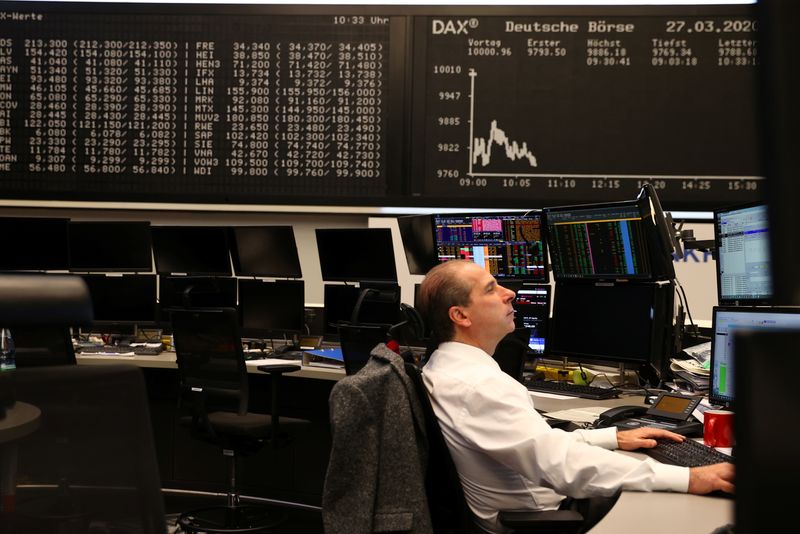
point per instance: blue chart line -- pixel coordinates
(481, 148)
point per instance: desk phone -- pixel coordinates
(670, 411)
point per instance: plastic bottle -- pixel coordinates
(7, 351)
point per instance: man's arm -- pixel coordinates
(644, 438)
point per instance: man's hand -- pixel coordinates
(711, 478)
(644, 438)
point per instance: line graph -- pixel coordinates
(481, 148)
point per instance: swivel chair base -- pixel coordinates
(230, 520)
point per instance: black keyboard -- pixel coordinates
(687, 453)
(568, 388)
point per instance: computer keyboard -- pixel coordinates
(687, 453)
(139, 350)
(568, 388)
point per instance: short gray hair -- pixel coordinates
(441, 289)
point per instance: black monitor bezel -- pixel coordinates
(766, 301)
(521, 214)
(291, 257)
(146, 241)
(418, 235)
(325, 260)
(161, 269)
(269, 332)
(149, 321)
(59, 229)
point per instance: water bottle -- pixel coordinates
(7, 352)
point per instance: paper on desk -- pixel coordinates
(587, 414)
(689, 365)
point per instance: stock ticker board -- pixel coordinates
(390, 105)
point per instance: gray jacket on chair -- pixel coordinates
(376, 474)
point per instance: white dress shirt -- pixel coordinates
(508, 457)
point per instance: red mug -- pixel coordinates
(718, 428)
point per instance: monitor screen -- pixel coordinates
(123, 299)
(265, 251)
(509, 246)
(419, 242)
(110, 246)
(607, 322)
(743, 258)
(196, 292)
(34, 244)
(339, 303)
(532, 307)
(356, 254)
(726, 320)
(191, 250)
(598, 241)
(268, 308)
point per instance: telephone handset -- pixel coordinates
(611, 416)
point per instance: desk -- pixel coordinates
(166, 360)
(20, 420)
(656, 512)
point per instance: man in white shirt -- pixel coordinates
(506, 455)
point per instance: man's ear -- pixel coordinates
(458, 317)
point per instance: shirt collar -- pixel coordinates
(462, 353)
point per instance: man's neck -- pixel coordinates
(486, 347)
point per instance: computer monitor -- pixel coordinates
(196, 292)
(339, 301)
(110, 246)
(356, 254)
(725, 322)
(613, 323)
(599, 241)
(270, 308)
(34, 244)
(741, 235)
(419, 242)
(191, 250)
(127, 299)
(509, 246)
(532, 307)
(265, 251)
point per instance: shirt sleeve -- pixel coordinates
(578, 464)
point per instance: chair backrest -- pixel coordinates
(38, 346)
(510, 352)
(91, 461)
(44, 300)
(448, 507)
(357, 342)
(208, 347)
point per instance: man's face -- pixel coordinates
(490, 312)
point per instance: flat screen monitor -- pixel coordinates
(191, 250)
(197, 292)
(356, 254)
(419, 242)
(741, 235)
(610, 322)
(532, 307)
(509, 246)
(34, 244)
(338, 306)
(265, 251)
(725, 322)
(599, 241)
(269, 308)
(110, 246)
(123, 299)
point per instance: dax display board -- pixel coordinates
(378, 105)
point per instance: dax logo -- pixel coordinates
(453, 27)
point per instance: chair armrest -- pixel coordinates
(278, 368)
(550, 521)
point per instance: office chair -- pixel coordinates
(214, 384)
(511, 351)
(450, 513)
(91, 464)
(39, 346)
(357, 341)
